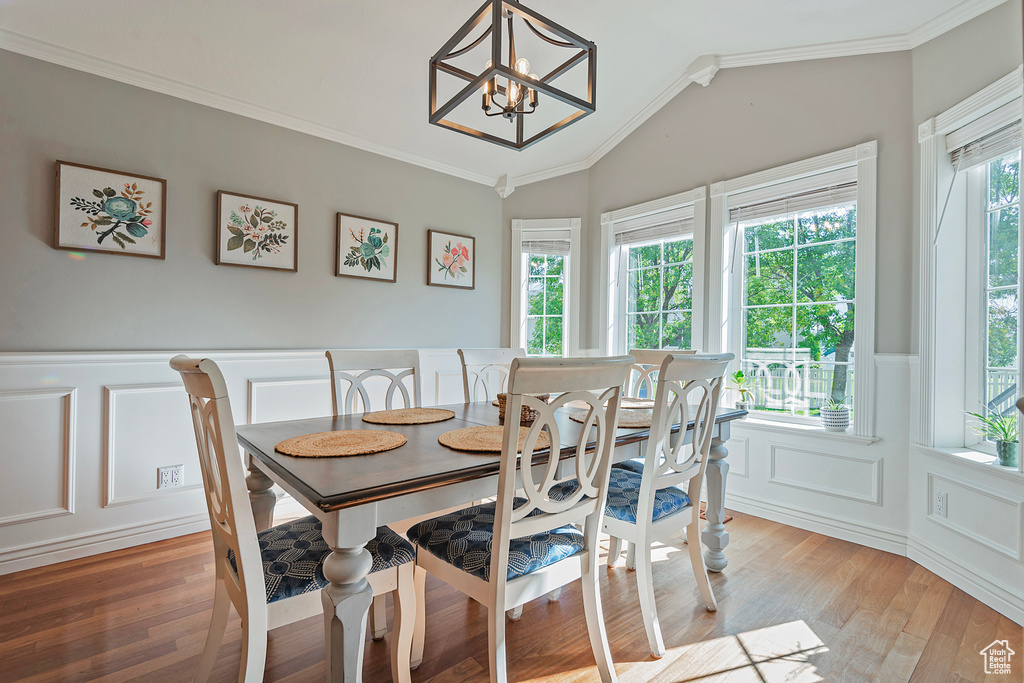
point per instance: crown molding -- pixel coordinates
(553, 172)
(33, 47)
(950, 19)
(702, 70)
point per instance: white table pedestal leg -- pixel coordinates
(261, 498)
(346, 601)
(714, 536)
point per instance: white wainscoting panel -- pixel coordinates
(290, 398)
(82, 435)
(831, 474)
(148, 426)
(739, 456)
(37, 449)
(971, 510)
(979, 545)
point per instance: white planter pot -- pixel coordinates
(835, 419)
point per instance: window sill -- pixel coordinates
(973, 459)
(802, 429)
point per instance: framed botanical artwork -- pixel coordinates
(111, 212)
(366, 248)
(254, 232)
(451, 260)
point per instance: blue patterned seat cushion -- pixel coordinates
(634, 465)
(463, 539)
(624, 493)
(294, 553)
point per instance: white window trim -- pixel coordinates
(655, 212)
(723, 307)
(571, 302)
(936, 405)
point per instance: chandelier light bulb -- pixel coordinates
(513, 92)
(523, 65)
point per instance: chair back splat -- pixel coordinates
(223, 479)
(350, 370)
(643, 376)
(485, 371)
(688, 390)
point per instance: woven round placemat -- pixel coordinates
(341, 443)
(487, 439)
(626, 403)
(627, 418)
(408, 416)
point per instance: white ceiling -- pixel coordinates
(355, 71)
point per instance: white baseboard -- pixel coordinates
(1004, 599)
(889, 540)
(72, 548)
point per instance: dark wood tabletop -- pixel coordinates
(422, 463)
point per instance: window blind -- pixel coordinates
(654, 232)
(546, 247)
(995, 144)
(821, 198)
(658, 226)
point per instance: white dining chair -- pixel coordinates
(485, 371)
(351, 369)
(508, 552)
(643, 376)
(273, 577)
(649, 506)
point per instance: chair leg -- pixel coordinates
(631, 556)
(254, 651)
(515, 614)
(419, 577)
(496, 644)
(218, 622)
(614, 550)
(405, 624)
(555, 594)
(645, 586)
(595, 620)
(379, 617)
(700, 570)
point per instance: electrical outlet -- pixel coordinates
(169, 477)
(941, 503)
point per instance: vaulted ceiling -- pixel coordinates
(355, 71)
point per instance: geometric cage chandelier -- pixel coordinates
(506, 86)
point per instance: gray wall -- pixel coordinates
(953, 67)
(52, 302)
(561, 197)
(748, 120)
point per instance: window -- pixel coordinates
(545, 286)
(969, 266)
(797, 299)
(795, 246)
(659, 298)
(654, 274)
(545, 322)
(993, 225)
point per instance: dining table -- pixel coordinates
(354, 495)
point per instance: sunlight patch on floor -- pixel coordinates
(774, 654)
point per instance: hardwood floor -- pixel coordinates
(793, 606)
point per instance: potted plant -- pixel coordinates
(1003, 429)
(835, 414)
(740, 381)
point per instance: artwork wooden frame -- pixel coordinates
(271, 226)
(86, 203)
(445, 268)
(357, 257)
